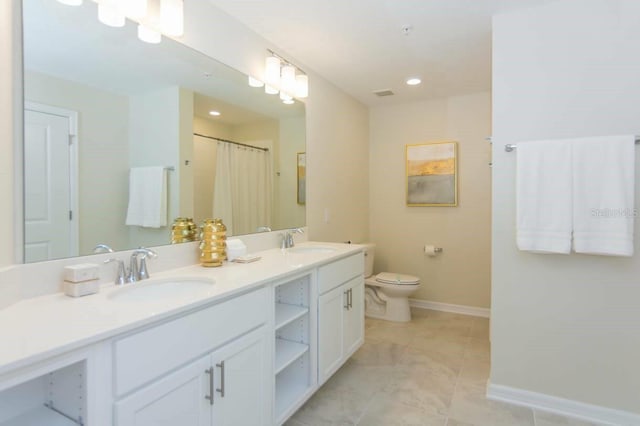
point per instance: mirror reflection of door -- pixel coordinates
(48, 209)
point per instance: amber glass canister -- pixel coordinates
(213, 235)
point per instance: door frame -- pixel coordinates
(74, 224)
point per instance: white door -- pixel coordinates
(46, 187)
(354, 317)
(178, 399)
(331, 308)
(241, 382)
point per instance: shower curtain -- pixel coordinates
(242, 190)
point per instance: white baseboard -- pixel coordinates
(448, 307)
(565, 407)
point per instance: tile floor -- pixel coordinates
(431, 371)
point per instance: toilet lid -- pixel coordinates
(393, 278)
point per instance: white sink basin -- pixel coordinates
(311, 249)
(165, 288)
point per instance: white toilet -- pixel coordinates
(387, 294)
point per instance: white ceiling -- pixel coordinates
(359, 45)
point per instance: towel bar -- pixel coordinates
(511, 146)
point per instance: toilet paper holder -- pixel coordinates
(432, 250)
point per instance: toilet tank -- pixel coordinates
(369, 253)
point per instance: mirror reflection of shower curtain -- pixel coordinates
(242, 193)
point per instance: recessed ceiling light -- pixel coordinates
(414, 81)
(214, 113)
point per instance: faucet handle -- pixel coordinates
(120, 276)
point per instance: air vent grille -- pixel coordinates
(384, 92)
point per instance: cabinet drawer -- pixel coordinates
(143, 356)
(336, 273)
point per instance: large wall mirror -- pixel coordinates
(100, 105)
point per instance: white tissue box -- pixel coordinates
(235, 248)
(81, 289)
(81, 272)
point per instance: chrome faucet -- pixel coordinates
(287, 237)
(102, 248)
(137, 273)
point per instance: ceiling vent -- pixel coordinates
(384, 92)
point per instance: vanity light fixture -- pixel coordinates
(282, 76)
(172, 17)
(155, 17)
(254, 82)
(413, 81)
(148, 35)
(109, 13)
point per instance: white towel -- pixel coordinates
(543, 192)
(603, 194)
(147, 197)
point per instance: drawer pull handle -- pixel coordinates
(346, 293)
(221, 389)
(350, 298)
(209, 397)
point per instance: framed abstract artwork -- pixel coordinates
(302, 178)
(432, 174)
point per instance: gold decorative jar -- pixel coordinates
(213, 235)
(183, 230)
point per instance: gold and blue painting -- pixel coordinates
(302, 178)
(432, 171)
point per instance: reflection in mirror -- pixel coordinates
(100, 103)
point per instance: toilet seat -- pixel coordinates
(397, 279)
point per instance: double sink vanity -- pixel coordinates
(243, 344)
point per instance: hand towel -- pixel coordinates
(147, 197)
(603, 195)
(543, 196)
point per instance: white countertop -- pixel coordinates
(38, 328)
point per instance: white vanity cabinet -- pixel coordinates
(226, 387)
(340, 313)
(210, 367)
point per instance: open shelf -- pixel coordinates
(286, 313)
(40, 416)
(287, 395)
(287, 352)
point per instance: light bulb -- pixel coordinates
(172, 17)
(270, 90)
(302, 86)
(109, 14)
(288, 80)
(148, 35)
(134, 9)
(272, 71)
(254, 82)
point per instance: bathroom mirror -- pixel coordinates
(129, 104)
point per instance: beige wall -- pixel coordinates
(288, 213)
(337, 127)
(103, 152)
(461, 274)
(564, 325)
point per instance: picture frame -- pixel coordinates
(301, 188)
(432, 174)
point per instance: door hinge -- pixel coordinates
(70, 140)
(70, 214)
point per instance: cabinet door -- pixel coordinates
(331, 308)
(354, 317)
(241, 382)
(177, 399)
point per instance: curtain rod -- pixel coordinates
(232, 142)
(512, 147)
